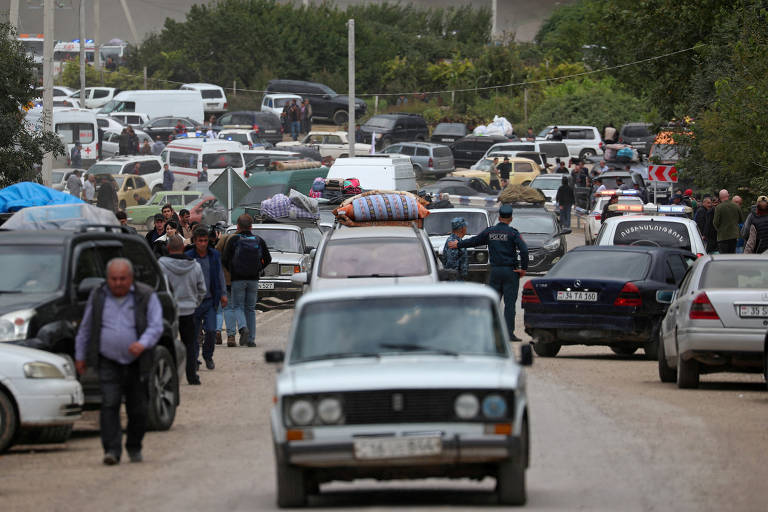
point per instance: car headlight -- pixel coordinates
(466, 406)
(481, 256)
(40, 370)
(378, 136)
(329, 410)
(289, 270)
(14, 326)
(302, 412)
(494, 407)
(552, 244)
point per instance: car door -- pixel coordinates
(333, 146)
(670, 322)
(141, 188)
(110, 144)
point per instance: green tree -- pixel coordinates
(21, 146)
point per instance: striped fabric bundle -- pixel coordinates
(385, 207)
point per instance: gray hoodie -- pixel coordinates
(187, 281)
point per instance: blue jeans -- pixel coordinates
(244, 297)
(234, 318)
(506, 282)
(295, 128)
(565, 216)
(205, 318)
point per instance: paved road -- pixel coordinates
(606, 434)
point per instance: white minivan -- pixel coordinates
(214, 99)
(185, 158)
(377, 172)
(96, 97)
(75, 125)
(276, 102)
(158, 103)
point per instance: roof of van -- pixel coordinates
(74, 113)
(123, 94)
(203, 86)
(376, 159)
(197, 143)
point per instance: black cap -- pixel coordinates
(159, 216)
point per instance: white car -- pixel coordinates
(131, 118)
(438, 227)
(329, 144)
(414, 391)
(248, 138)
(275, 103)
(96, 97)
(106, 122)
(716, 321)
(214, 99)
(40, 397)
(548, 184)
(150, 168)
(594, 218)
(582, 141)
(652, 230)
(110, 144)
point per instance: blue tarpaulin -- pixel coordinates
(26, 193)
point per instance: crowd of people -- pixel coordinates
(296, 118)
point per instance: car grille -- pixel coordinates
(409, 406)
(271, 270)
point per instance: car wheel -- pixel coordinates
(291, 484)
(418, 172)
(586, 153)
(546, 349)
(150, 223)
(666, 373)
(651, 348)
(163, 391)
(340, 117)
(122, 205)
(687, 373)
(8, 422)
(510, 475)
(45, 435)
(623, 350)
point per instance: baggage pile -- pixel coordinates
(381, 208)
(519, 194)
(293, 206)
(335, 188)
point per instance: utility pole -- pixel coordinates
(13, 15)
(494, 18)
(82, 53)
(48, 35)
(351, 107)
(97, 33)
(130, 22)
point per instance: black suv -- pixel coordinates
(266, 124)
(637, 135)
(162, 127)
(469, 150)
(397, 127)
(325, 102)
(49, 276)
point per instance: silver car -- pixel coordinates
(717, 320)
(438, 228)
(414, 391)
(426, 157)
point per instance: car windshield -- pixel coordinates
(157, 199)
(222, 160)
(104, 168)
(636, 131)
(483, 165)
(375, 257)
(749, 273)
(119, 180)
(439, 223)
(281, 240)
(57, 176)
(534, 223)
(610, 181)
(653, 233)
(547, 182)
(450, 129)
(629, 266)
(374, 123)
(398, 326)
(312, 236)
(35, 268)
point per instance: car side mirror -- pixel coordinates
(566, 231)
(526, 355)
(308, 249)
(312, 253)
(447, 274)
(665, 296)
(299, 278)
(87, 285)
(274, 356)
(326, 96)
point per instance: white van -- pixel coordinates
(185, 158)
(130, 118)
(158, 103)
(96, 97)
(214, 99)
(78, 125)
(276, 102)
(377, 172)
(551, 149)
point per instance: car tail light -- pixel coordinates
(629, 296)
(598, 216)
(431, 162)
(699, 255)
(529, 294)
(225, 106)
(702, 309)
(621, 140)
(600, 144)
(256, 128)
(250, 145)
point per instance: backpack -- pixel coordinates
(246, 261)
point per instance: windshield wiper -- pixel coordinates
(414, 347)
(341, 355)
(358, 276)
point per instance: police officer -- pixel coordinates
(457, 259)
(503, 243)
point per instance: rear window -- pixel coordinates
(105, 169)
(439, 223)
(442, 151)
(747, 273)
(222, 160)
(385, 123)
(628, 266)
(554, 149)
(450, 129)
(653, 233)
(267, 119)
(379, 257)
(636, 131)
(211, 93)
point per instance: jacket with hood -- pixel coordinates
(187, 281)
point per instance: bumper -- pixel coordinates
(588, 328)
(720, 340)
(44, 402)
(542, 261)
(269, 286)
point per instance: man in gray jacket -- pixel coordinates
(188, 283)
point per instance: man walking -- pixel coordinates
(186, 229)
(230, 315)
(565, 200)
(205, 314)
(107, 196)
(757, 228)
(294, 116)
(306, 116)
(186, 278)
(503, 243)
(157, 147)
(457, 259)
(122, 323)
(727, 218)
(122, 218)
(245, 255)
(76, 156)
(89, 189)
(159, 230)
(504, 170)
(74, 185)
(168, 178)
(202, 176)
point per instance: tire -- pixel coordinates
(340, 117)
(623, 350)
(163, 391)
(651, 348)
(546, 349)
(586, 153)
(8, 422)
(666, 373)
(150, 223)
(292, 484)
(510, 475)
(687, 373)
(418, 172)
(122, 205)
(45, 435)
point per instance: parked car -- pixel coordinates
(325, 102)
(110, 143)
(448, 133)
(594, 218)
(127, 187)
(65, 103)
(438, 227)
(214, 99)
(582, 141)
(377, 172)
(145, 214)
(468, 150)
(95, 97)
(150, 168)
(544, 235)
(716, 320)
(548, 151)
(266, 124)
(328, 144)
(134, 119)
(548, 184)
(43, 300)
(163, 127)
(106, 122)
(275, 103)
(426, 157)
(395, 127)
(524, 171)
(459, 186)
(248, 138)
(603, 296)
(40, 397)
(409, 393)
(637, 135)
(59, 178)
(652, 230)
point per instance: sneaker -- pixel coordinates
(194, 382)
(218, 338)
(110, 459)
(251, 344)
(209, 364)
(244, 335)
(231, 341)
(135, 456)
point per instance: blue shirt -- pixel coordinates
(503, 243)
(118, 327)
(211, 257)
(456, 259)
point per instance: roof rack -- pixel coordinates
(109, 228)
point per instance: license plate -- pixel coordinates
(449, 140)
(270, 131)
(398, 447)
(577, 296)
(211, 104)
(266, 286)
(753, 311)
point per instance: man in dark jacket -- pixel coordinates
(727, 218)
(565, 200)
(124, 142)
(245, 274)
(106, 197)
(607, 213)
(168, 178)
(159, 230)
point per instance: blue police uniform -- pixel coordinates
(456, 259)
(503, 243)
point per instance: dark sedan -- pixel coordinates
(163, 127)
(448, 133)
(545, 237)
(603, 296)
(460, 186)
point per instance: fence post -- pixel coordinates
(234, 88)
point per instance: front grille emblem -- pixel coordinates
(577, 284)
(398, 402)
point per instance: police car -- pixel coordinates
(651, 225)
(594, 219)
